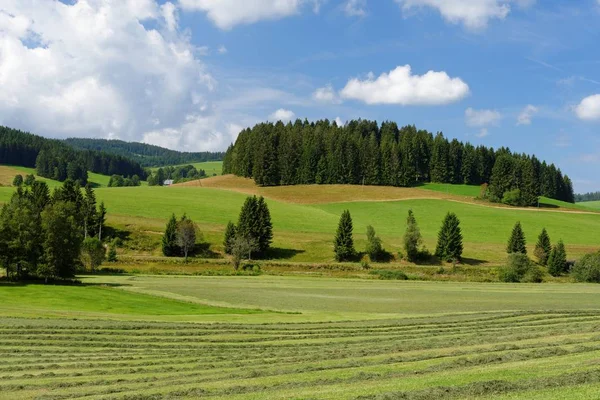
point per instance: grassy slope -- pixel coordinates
(595, 205)
(309, 228)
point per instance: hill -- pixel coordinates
(146, 154)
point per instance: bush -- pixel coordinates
(389, 275)
(92, 253)
(512, 198)
(364, 264)
(374, 248)
(587, 269)
(519, 268)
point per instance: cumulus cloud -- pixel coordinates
(527, 114)
(481, 118)
(400, 86)
(222, 49)
(589, 108)
(356, 8)
(95, 69)
(473, 14)
(282, 115)
(228, 13)
(326, 95)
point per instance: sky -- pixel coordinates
(190, 74)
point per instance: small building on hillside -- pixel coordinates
(168, 182)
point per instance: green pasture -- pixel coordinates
(194, 337)
(590, 204)
(308, 230)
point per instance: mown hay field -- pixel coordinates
(339, 339)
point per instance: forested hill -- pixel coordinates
(594, 196)
(146, 154)
(56, 160)
(364, 152)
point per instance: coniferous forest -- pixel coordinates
(364, 152)
(55, 160)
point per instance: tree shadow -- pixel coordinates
(203, 250)
(473, 262)
(546, 205)
(112, 232)
(281, 253)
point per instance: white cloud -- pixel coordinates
(92, 69)
(228, 13)
(527, 114)
(222, 49)
(400, 86)
(473, 14)
(356, 8)
(326, 95)
(339, 121)
(483, 133)
(282, 115)
(589, 108)
(481, 118)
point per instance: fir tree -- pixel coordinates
(516, 243)
(264, 233)
(412, 237)
(543, 247)
(229, 238)
(374, 248)
(89, 211)
(169, 240)
(449, 246)
(101, 219)
(557, 262)
(343, 245)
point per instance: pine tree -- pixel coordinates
(374, 248)
(449, 246)
(343, 245)
(264, 232)
(516, 243)
(169, 240)
(229, 238)
(557, 262)
(101, 219)
(412, 237)
(543, 247)
(89, 211)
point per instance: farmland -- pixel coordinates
(338, 340)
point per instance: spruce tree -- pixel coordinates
(557, 262)
(412, 237)
(169, 240)
(516, 243)
(374, 248)
(264, 233)
(89, 211)
(449, 246)
(229, 238)
(543, 247)
(343, 245)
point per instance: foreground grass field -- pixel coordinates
(346, 340)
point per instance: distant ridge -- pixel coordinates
(146, 154)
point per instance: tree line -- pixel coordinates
(49, 236)
(146, 154)
(55, 160)
(178, 174)
(593, 196)
(364, 152)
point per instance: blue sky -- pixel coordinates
(189, 74)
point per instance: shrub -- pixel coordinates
(18, 181)
(374, 248)
(518, 266)
(412, 237)
(364, 264)
(389, 275)
(534, 275)
(512, 198)
(557, 262)
(92, 253)
(587, 269)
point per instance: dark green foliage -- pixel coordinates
(543, 247)
(169, 239)
(187, 234)
(62, 241)
(449, 245)
(374, 248)
(516, 242)
(593, 196)
(412, 238)
(588, 268)
(512, 197)
(18, 181)
(146, 154)
(229, 237)
(389, 274)
(179, 174)
(255, 223)
(361, 152)
(29, 180)
(519, 268)
(93, 253)
(343, 244)
(557, 262)
(111, 256)
(90, 214)
(100, 219)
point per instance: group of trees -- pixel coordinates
(146, 154)
(120, 181)
(180, 237)
(593, 196)
(55, 160)
(363, 152)
(48, 236)
(19, 181)
(183, 173)
(520, 268)
(253, 234)
(449, 245)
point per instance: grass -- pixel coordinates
(352, 339)
(595, 205)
